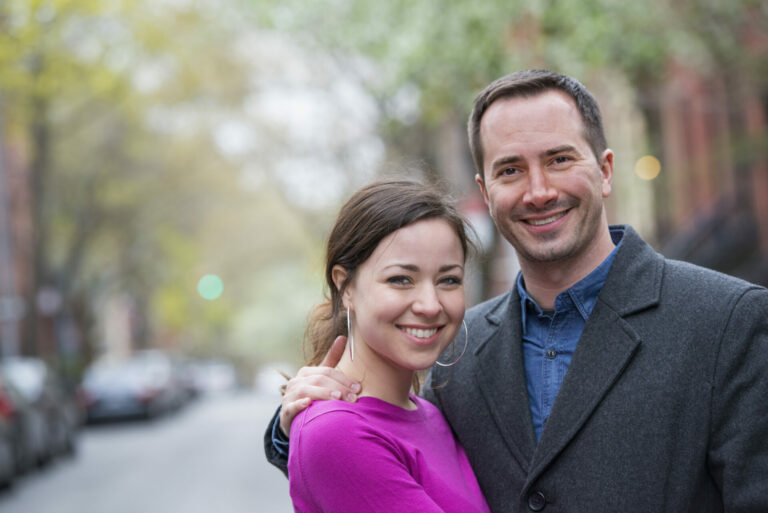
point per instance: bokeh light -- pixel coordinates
(647, 167)
(210, 287)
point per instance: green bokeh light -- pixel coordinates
(210, 287)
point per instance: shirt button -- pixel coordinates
(551, 353)
(537, 501)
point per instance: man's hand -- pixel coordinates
(317, 383)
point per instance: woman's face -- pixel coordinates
(407, 300)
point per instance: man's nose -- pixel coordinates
(540, 191)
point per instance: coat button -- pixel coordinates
(537, 501)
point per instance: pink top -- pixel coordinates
(373, 456)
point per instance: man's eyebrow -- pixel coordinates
(510, 159)
(514, 159)
(565, 148)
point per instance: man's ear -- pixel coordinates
(481, 184)
(339, 275)
(606, 171)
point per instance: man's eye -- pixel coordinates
(562, 159)
(508, 171)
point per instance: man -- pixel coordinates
(664, 405)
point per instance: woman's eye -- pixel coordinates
(451, 280)
(399, 280)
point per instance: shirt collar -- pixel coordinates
(583, 294)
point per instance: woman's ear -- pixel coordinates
(339, 275)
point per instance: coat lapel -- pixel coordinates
(606, 346)
(501, 378)
(604, 351)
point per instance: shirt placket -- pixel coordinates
(550, 381)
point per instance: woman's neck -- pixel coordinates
(384, 382)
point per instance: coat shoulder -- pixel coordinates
(693, 279)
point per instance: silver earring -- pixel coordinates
(350, 339)
(466, 341)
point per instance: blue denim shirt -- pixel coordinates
(550, 337)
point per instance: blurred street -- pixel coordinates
(208, 457)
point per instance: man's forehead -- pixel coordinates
(523, 127)
(552, 100)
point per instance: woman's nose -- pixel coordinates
(427, 302)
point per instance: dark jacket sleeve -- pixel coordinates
(738, 455)
(274, 456)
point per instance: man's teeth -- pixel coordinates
(539, 222)
(419, 333)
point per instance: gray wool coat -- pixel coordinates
(664, 407)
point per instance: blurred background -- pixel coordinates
(169, 170)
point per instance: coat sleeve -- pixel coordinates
(738, 453)
(273, 454)
(339, 463)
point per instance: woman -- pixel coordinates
(395, 270)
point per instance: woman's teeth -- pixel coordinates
(420, 333)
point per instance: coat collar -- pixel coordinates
(634, 281)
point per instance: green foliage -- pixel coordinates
(449, 50)
(135, 195)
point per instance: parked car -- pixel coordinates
(45, 392)
(7, 437)
(145, 385)
(27, 426)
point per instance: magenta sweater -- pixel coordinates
(372, 456)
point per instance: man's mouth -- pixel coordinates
(546, 220)
(420, 333)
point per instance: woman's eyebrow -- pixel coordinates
(415, 268)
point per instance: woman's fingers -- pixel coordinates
(334, 354)
(316, 384)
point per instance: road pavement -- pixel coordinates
(206, 458)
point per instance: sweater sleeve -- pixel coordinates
(339, 463)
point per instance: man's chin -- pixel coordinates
(544, 251)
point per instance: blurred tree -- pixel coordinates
(424, 61)
(118, 109)
(168, 140)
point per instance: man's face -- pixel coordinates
(543, 185)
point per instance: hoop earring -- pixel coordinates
(350, 338)
(466, 341)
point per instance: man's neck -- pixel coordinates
(544, 281)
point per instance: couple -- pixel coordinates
(664, 405)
